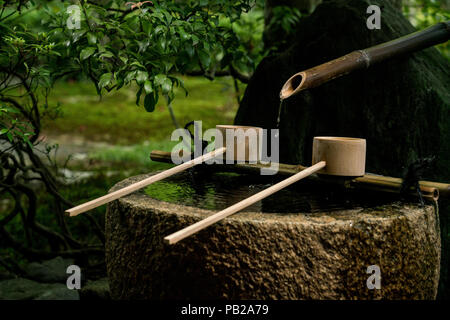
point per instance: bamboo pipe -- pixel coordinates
(202, 224)
(429, 189)
(337, 156)
(138, 185)
(363, 59)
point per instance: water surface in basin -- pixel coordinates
(219, 190)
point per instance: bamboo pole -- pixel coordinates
(368, 181)
(363, 59)
(188, 231)
(138, 185)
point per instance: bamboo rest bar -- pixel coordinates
(430, 190)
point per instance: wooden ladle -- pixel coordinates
(231, 135)
(335, 156)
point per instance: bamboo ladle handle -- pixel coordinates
(138, 185)
(186, 232)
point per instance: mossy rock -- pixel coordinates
(401, 106)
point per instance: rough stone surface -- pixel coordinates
(401, 106)
(270, 256)
(24, 289)
(95, 290)
(50, 271)
(58, 292)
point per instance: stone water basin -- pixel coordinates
(308, 241)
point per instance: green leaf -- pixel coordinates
(10, 109)
(123, 58)
(143, 45)
(170, 97)
(137, 64)
(92, 38)
(130, 76)
(141, 76)
(204, 57)
(195, 39)
(101, 48)
(107, 54)
(162, 43)
(167, 66)
(158, 29)
(166, 85)
(159, 79)
(168, 17)
(180, 83)
(148, 87)
(105, 80)
(215, 20)
(28, 142)
(77, 35)
(120, 82)
(4, 130)
(189, 49)
(184, 36)
(86, 53)
(150, 101)
(10, 136)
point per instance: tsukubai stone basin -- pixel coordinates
(310, 249)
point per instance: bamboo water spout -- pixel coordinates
(363, 59)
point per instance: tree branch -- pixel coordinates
(221, 73)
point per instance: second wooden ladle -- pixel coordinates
(337, 156)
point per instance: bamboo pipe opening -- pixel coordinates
(430, 193)
(293, 85)
(435, 193)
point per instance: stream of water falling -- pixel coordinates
(280, 107)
